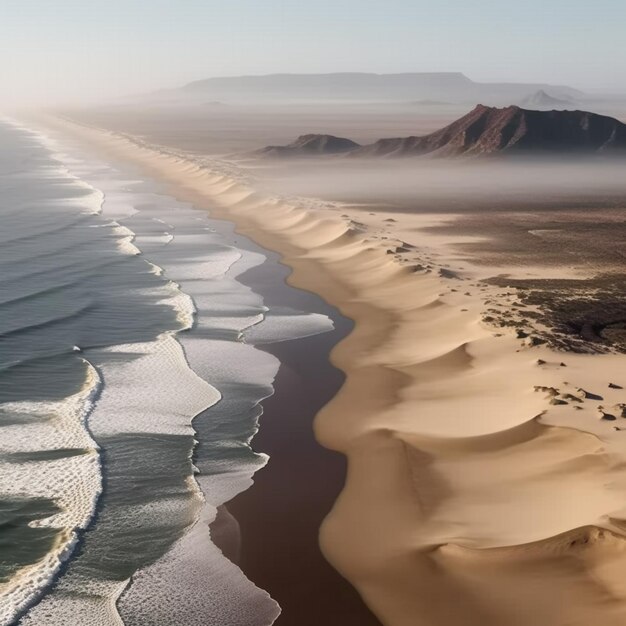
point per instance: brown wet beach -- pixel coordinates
(280, 515)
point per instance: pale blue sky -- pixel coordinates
(102, 47)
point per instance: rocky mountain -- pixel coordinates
(542, 100)
(308, 145)
(511, 130)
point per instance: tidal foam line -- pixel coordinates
(74, 482)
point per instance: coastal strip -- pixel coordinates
(466, 480)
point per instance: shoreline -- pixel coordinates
(300, 473)
(434, 401)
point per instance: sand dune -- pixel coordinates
(471, 498)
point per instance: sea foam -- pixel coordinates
(73, 482)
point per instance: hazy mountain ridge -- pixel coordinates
(485, 131)
(488, 130)
(353, 86)
(542, 100)
(310, 145)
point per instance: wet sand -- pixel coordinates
(280, 515)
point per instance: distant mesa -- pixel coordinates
(310, 145)
(344, 87)
(542, 100)
(510, 130)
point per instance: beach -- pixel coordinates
(270, 530)
(483, 463)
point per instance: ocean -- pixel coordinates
(130, 389)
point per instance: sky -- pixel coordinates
(55, 51)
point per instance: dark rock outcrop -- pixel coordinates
(511, 130)
(308, 145)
